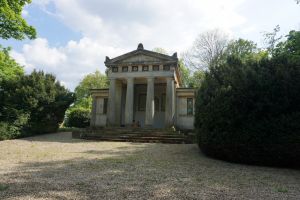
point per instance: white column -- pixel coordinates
(129, 101)
(111, 111)
(150, 102)
(170, 103)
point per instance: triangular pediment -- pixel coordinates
(141, 56)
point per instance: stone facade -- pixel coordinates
(145, 86)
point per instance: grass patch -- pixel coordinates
(281, 190)
(3, 187)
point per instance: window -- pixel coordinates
(135, 68)
(166, 67)
(155, 67)
(124, 69)
(115, 69)
(142, 102)
(163, 103)
(190, 106)
(105, 105)
(145, 68)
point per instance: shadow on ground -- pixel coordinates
(61, 137)
(145, 171)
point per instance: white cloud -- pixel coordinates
(39, 53)
(69, 63)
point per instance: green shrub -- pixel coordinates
(78, 117)
(8, 131)
(250, 112)
(32, 104)
(13, 129)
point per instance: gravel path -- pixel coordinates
(55, 166)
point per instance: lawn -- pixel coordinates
(54, 166)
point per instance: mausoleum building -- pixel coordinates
(146, 88)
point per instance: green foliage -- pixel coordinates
(12, 24)
(3, 187)
(185, 74)
(94, 80)
(243, 49)
(12, 129)
(78, 117)
(33, 104)
(249, 111)
(9, 68)
(189, 79)
(289, 48)
(81, 109)
(272, 39)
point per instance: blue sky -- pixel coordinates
(74, 36)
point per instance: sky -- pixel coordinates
(74, 36)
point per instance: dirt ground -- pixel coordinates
(55, 166)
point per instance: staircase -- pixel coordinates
(144, 135)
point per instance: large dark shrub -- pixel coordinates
(32, 104)
(250, 112)
(78, 117)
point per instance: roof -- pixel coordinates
(156, 57)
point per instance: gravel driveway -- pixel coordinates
(54, 166)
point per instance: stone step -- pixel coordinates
(134, 135)
(141, 137)
(141, 140)
(137, 135)
(120, 129)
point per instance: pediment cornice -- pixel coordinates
(141, 56)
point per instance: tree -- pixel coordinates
(94, 80)
(12, 24)
(272, 39)
(248, 111)
(185, 74)
(241, 48)
(9, 68)
(34, 103)
(197, 79)
(289, 48)
(207, 50)
(244, 50)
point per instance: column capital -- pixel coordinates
(150, 77)
(130, 78)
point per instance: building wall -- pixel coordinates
(183, 120)
(100, 115)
